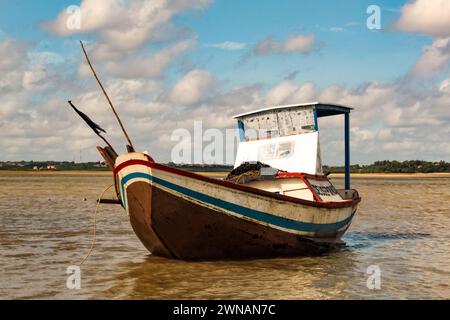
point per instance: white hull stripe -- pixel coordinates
(244, 211)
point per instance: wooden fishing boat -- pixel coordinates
(295, 211)
(276, 202)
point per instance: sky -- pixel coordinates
(169, 63)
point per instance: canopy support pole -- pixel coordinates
(347, 150)
(241, 130)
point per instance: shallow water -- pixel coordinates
(402, 226)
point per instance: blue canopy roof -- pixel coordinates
(323, 109)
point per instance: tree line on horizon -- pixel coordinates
(387, 166)
(383, 166)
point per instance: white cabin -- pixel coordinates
(285, 137)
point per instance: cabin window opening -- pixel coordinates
(268, 134)
(252, 134)
(309, 128)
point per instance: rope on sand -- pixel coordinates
(94, 227)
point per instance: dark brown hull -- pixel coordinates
(174, 227)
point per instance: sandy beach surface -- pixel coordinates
(401, 226)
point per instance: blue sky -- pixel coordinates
(368, 53)
(383, 73)
(371, 55)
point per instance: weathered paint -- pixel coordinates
(348, 202)
(218, 204)
(302, 153)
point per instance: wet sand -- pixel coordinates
(402, 226)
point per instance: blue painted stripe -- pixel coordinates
(244, 211)
(130, 176)
(241, 130)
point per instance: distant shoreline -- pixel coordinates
(394, 175)
(55, 172)
(224, 174)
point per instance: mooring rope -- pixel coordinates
(94, 227)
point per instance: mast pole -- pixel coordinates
(106, 95)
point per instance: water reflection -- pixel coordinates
(358, 239)
(295, 278)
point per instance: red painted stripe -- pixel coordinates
(131, 163)
(302, 175)
(324, 204)
(315, 195)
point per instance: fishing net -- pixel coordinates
(252, 171)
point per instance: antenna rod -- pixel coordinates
(107, 97)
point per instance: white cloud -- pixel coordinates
(94, 16)
(445, 86)
(125, 32)
(45, 57)
(138, 65)
(33, 78)
(126, 46)
(123, 24)
(13, 56)
(292, 44)
(426, 16)
(390, 120)
(228, 45)
(434, 59)
(387, 117)
(337, 29)
(287, 92)
(192, 88)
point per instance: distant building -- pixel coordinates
(100, 164)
